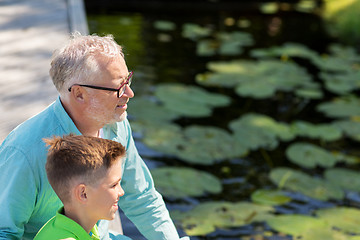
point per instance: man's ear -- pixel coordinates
(78, 93)
(80, 193)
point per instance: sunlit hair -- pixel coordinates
(79, 158)
(78, 60)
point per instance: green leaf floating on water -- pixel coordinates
(309, 93)
(205, 145)
(310, 186)
(179, 182)
(327, 132)
(345, 52)
(297, 225)
(224, 43)
(253, 131)
(287, 50)
(324, 226)
(166, 138)
(145, 110)
(344, 218)
(344, 178)
(206, 47)
(195, 31)
(348, 106)
(269, 197)
(232, 43)
(164, 25)
(341, 83)
(195, 144)
(340, 59)
(189, 100)
(348, 159)
(351, 128)
(259, 79)
(309, 155)
(206, 217)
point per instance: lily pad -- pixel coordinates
(309, 155)
(206, 47)
(348, 106)
(345, 52)
(226, 73)
(195, 31)
(306, 6)
(309, 93)
(165, 138)
(344, 178)
(164, 25)
(269, 197)
(271, 76)
(327, 132)
(145, 110)
(332, 63)
(232, 43)
(195, 144)
(310, 186)
(253, 131)
(296, 225)
(256, 79)
(206, 145)
(207, 217)
(350, 128)
(180, 182)
(219, 79)
(348, 159)
(341, 83)
(269, 8)
(189, 100)
(341, 59)
(344, 218)
(306, 227)
(287, 50)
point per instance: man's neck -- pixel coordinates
(83, 124)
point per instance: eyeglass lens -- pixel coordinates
(122, 89)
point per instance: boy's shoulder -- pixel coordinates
(61, 227)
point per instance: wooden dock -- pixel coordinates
(29, 32)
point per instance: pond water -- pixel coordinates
(262, 141)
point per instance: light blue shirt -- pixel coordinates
(27, 200)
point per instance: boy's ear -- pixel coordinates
(80, 193)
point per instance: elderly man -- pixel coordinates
(93, 82)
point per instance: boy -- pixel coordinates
(85, 172)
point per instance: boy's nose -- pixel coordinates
(121, 192)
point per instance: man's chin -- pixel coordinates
(122, 117)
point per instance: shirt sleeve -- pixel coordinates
(18, 193)
(142, 204)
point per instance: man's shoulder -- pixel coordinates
(30, 132)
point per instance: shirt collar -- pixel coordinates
(65, 121)
(61, 221)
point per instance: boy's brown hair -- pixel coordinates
(79, 157)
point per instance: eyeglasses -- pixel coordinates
(120, 91)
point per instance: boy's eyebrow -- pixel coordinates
(118, 180)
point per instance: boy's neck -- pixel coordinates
(79, 216)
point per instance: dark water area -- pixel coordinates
(158, 56)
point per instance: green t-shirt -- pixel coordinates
(62, 227)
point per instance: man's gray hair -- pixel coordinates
(77, 61)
